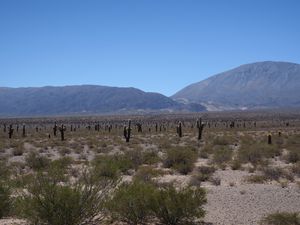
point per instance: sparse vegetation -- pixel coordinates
(282, 218)
(181, 159)
(44, 180)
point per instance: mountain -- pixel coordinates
(256, 85)
(84, 99)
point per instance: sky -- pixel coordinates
(154, 45)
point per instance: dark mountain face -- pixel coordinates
(257, 85)
(86, 99)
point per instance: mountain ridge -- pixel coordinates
(254, 85)
(84, 99)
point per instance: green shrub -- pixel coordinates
(36, 161)
(146, 173)
(182, 206)
(131, 203)
(206, 151)
(150, 157)
(111, 166)
(296, 169)
(5, 201)
(181, 159)
(235, 165)
(222, 154)
(222, 140)
(18, 151)
(204, 173)
(281, 218)
(271, 173)
(51, 202)
(257, 179)
(257, 153)
(293, 156)
(4, 171)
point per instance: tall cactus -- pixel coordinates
(10, 131)
(24, 131)
(139, 127)
(200, 127)
(62, 130)
(55, 129)
(127, 131)
(269, 138)
(179, 129)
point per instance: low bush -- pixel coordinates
(36, 161)
(223, 140)
(271, 173)
(293, 156)
(183, 206)
(146, 173)
(257, 179)
(111, 166)
(257, 153)
(222, 154)
(5, 201)
(282, 218)
(203, 173)
(296, 169)
(50, 201)
(181, 159)
(131, 203)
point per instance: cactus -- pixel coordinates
(179, 129)
(4, 128)
(200, 127)
(270, 139)
(23, 131)
(139, 127)
(127, 131)
(10, 131)
(55, 129)
(62, 130)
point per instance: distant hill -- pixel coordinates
(256, 85)
(85, 99)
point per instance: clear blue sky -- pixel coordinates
(154, 45)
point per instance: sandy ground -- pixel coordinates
(246, 204)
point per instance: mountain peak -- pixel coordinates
(255, 85)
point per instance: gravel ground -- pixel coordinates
(245, 204)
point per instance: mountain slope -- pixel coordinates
(85, 99)
(256, 85)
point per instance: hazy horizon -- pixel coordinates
(155, 46)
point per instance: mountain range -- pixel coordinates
(85, 99)
(251, 86)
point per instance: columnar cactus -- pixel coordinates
(127, 131)
(139, 127)
(10, 131)
(55, 129)
(270, 139)
(200, 127)
(4, 128)
(62, 130)
(24, 131)
(179, 129)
